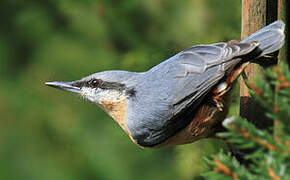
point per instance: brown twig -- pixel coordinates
(276, 109)
(262, 142)
(272, 174)
(287, 144)
(282, 79)
(220, 167)
(255, 88)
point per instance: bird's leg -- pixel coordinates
(221, 89)
(226, 85)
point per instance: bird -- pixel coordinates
(184, 98)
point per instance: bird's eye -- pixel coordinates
(94, 83)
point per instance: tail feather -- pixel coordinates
(270, 38)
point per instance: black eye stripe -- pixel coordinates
(98, 83)
(93, 83)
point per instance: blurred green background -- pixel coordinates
(49, 134)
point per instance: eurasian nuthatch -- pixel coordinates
(181, 99)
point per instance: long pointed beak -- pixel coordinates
(64, 85)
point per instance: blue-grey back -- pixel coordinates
(177, 83)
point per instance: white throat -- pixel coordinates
(99, 95)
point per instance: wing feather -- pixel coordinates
(180, 82)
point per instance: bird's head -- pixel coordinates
(109, 89)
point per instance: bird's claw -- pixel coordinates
(218, 102)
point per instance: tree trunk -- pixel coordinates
(255, 15)
(283, 14)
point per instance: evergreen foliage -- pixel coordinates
(270, 149)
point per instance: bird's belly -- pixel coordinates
(204, 124)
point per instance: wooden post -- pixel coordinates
(255, 15)
(283, 14)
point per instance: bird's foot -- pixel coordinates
(218, 102)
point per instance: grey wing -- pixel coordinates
(200, 67)
(177, 83)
